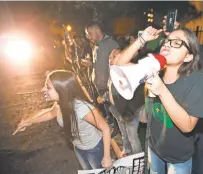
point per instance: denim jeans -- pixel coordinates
(131, 141)
(90, 159)
(157, 165)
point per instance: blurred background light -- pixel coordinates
(18, 50)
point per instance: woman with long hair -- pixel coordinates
(83, 124)
(177, 106)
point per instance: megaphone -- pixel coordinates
(127, 78)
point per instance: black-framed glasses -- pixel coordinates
(177, 43)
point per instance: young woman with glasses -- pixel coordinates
(178, 103)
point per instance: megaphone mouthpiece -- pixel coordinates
(161, 59)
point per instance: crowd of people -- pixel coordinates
(175, 141)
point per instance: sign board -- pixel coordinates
(133, 164)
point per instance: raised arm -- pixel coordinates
(127, 54)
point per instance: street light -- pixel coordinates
(150, 17)
(150, 20)
(68, 28)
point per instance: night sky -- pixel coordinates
(35, 18)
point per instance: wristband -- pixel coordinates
(142, 41)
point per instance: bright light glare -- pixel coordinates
(69, 28)
(18, 50)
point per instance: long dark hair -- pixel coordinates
(195, 64)
(66, 85)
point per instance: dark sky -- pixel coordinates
(28, 11)
(35, 17)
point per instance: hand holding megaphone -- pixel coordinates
(154, 84)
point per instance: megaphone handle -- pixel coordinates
(150, 94)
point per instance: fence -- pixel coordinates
(199, 33)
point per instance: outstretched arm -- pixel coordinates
(41, 116)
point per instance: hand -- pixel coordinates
(123, 154)
(150, 34)
(177, 25)
(86, 62)
(22, 126)
(106, 162)
(88, 56)
(100, 100)
(155, 85)
(114, 56)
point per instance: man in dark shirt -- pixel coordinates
(103, 46)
